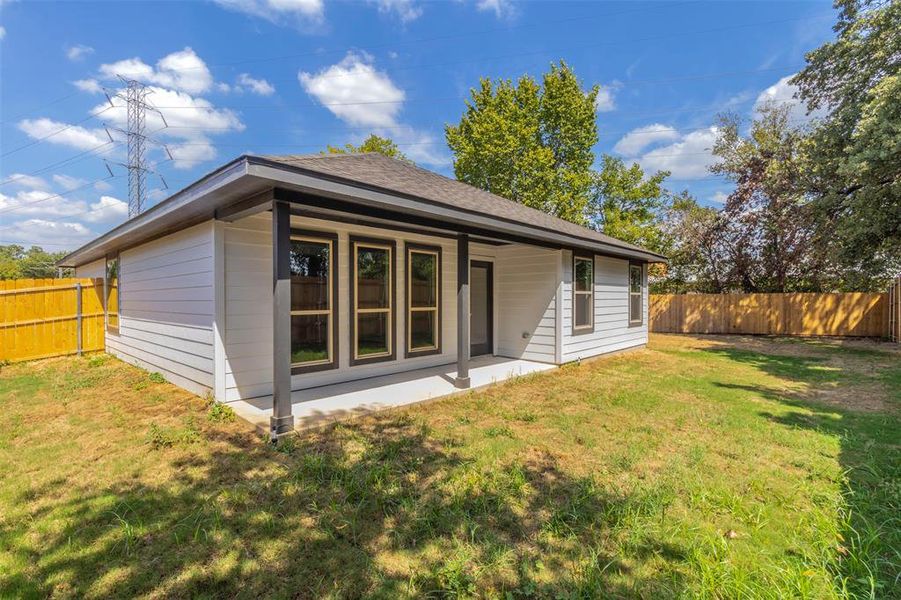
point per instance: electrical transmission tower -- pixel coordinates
(135, 97)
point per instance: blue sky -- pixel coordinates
(291, 76)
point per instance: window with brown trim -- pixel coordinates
(423, 270)
(636, 298)
(111, 293)
(313, 260)
(372, 307)
(583, 294)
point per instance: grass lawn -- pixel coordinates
(702, 466)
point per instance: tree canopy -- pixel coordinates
(853, 168)
(16, 262)
(530, 142)
(626, 205)
(373, 143)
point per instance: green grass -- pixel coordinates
(712, 467)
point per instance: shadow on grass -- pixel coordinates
(377, 508)
(867, 562)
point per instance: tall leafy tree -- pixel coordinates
(854, 166)
(767, 222)
(530, 142)
(628, 206)
(373, 143)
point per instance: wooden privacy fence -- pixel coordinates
(40, 318)
(839, 314)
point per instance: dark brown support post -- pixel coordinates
(462, 380)
(281, 421)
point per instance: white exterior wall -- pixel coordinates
(166, 308)
(248, 307)
(526, 302)
(93, 269)
(611, 311)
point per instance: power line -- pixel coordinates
(59, 195)
(58, 131)
(394, 43)
(66, 161)
(39, 108)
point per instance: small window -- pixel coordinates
(423, 293)
(583, 294)
(111, 294)
(636, 307)
(373, 306)
(312, 261)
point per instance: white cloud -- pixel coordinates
(688, 158)
(68, 183)
(501, 8)
(41, 232)
(2, 32)
(107, 209)
(42, 203)
(91, 86)
(355, 92)
(636, 140)
(605, 101)
(257, 86)
(310, 11)
(64, 133)
(719, 197)
(782, 92)
(78, 52)
(192, 152)
(405, 10)
(26, 181)
(421, 146)
(182, 70)
(190, 120)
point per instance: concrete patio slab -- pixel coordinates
(316, 406)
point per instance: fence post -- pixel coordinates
(78, 318)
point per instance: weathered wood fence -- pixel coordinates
(803, 314)
(40, 318)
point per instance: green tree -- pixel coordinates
(17, 263)
(628, 206)
(698, 259)
(768, 224)
(854, 155)
(373, 143)
(530, 142)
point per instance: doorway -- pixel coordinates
(481, 308)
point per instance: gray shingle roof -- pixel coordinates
(377, 170)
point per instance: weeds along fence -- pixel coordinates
(40, 318)
(803, 314)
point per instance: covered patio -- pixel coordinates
(316, 406)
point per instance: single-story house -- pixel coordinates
(313, 285)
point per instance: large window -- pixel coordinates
(111, 293)
(583, 294)
(423, 300)
(313, 336)
(636, 307)
(372, 318)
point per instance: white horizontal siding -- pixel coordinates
(93, 269)
(166, 308)
(611, 311)
(526, 298)
(248, 306)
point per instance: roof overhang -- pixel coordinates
(250, 176)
